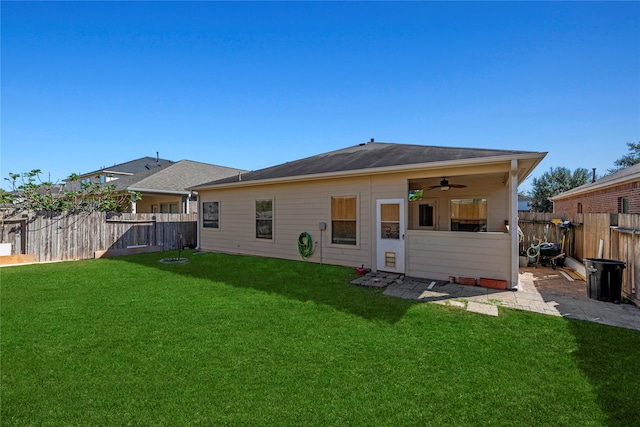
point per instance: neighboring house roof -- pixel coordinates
(132, 167)
(175, 178)
(631, 173)
(375, 156)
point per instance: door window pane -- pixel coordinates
(390, 221)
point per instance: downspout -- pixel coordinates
(513, 221)
(199, 212)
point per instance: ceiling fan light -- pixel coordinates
(445, 187)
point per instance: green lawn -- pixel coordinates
(231, 340)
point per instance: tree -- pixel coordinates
(554, 182)
(629, 159)
(30, 192)
(5, 196)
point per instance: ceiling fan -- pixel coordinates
(444, 185)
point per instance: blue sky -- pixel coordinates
(253, 84)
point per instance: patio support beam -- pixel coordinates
(513, 222)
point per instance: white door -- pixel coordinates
(390, 235)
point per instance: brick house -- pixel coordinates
(615, 193)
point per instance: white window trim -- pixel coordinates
(273, 220)
(213, 229)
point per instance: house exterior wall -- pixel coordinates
(524, 205)
(605, 200)
(96, 178)
(145, 205)
(297, 208)
(438, 255)
(300, 207)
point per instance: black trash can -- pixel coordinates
(604, 279)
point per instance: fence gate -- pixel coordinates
(13, 238)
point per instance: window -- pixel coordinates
(169, 208)
(390, 221)
(425, 215)
(343, 220)
(211, 214)
(469, 215)
(623, 204)
(264, 219)
(579, 207)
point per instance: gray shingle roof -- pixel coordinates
(367, 156)
(176, 177)
(134, 166)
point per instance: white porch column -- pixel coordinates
(513, 222)
(133, 207)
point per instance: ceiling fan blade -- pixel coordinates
(445, 183)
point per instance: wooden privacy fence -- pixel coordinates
(592, 235)
(61, 236)
(625, 246)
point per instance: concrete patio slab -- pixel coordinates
(540, 290)
(475, 307)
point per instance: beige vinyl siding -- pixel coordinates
(439, 254)
(497, 206)
(299, 207)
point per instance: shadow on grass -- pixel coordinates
(297, 280)
(609, 356)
